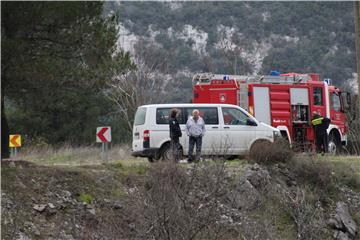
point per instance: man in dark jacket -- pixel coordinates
(321, 124)
(175, 133)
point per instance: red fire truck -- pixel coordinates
(285, 101)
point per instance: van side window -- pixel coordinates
(318, 99)
(335, 102)
(209, 114)
(163, 116)
(233, 116)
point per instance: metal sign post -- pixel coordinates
(103, 135)
(13, 152)
(14, 143)
(104, 151)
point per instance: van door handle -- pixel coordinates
(215, 127)
(226, 127)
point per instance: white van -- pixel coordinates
(230, 130)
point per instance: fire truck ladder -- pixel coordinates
(202, 78)
(303, 78)
(205, 78)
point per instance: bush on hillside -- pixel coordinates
(264, 152)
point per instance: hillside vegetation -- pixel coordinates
(246, 37)
(64, 71)
(301, 198)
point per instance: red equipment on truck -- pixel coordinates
(285, 101)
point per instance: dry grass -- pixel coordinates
(347, 170)
(314, 171)
(327, 173)
(344, 163)
(75, 156)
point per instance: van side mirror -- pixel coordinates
(348, 98)
(250, 122)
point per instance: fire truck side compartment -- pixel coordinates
(262, 104)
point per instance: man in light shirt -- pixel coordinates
(195, 129)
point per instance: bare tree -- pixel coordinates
(131, 89)
(232, 48)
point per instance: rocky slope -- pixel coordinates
(235, 200)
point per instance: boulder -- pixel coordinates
(246, 195)
(339, 235)
(257, 176)
(345, 227)
(39, 207)
(117, 205)
(92, 211)
(342, 211)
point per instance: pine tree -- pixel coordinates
(56, 56)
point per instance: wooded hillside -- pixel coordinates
(64, 70)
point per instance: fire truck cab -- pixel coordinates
(285, 101)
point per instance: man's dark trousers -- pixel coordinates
(192, 142)
(175, 148)
(322, 142)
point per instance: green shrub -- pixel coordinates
(86, 198)
(117, 165)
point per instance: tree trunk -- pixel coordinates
(4, 130)
(357, 35)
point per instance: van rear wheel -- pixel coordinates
(166, 153)
(150, 159)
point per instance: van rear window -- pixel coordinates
(209, 114)
(140, 116)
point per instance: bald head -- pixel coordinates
(195, 114)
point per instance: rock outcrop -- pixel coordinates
(344, 226)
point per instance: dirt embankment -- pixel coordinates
(212, 200)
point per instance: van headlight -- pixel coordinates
(276, 134)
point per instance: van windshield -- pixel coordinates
(140, 116)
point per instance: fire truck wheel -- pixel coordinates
(334, 145)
